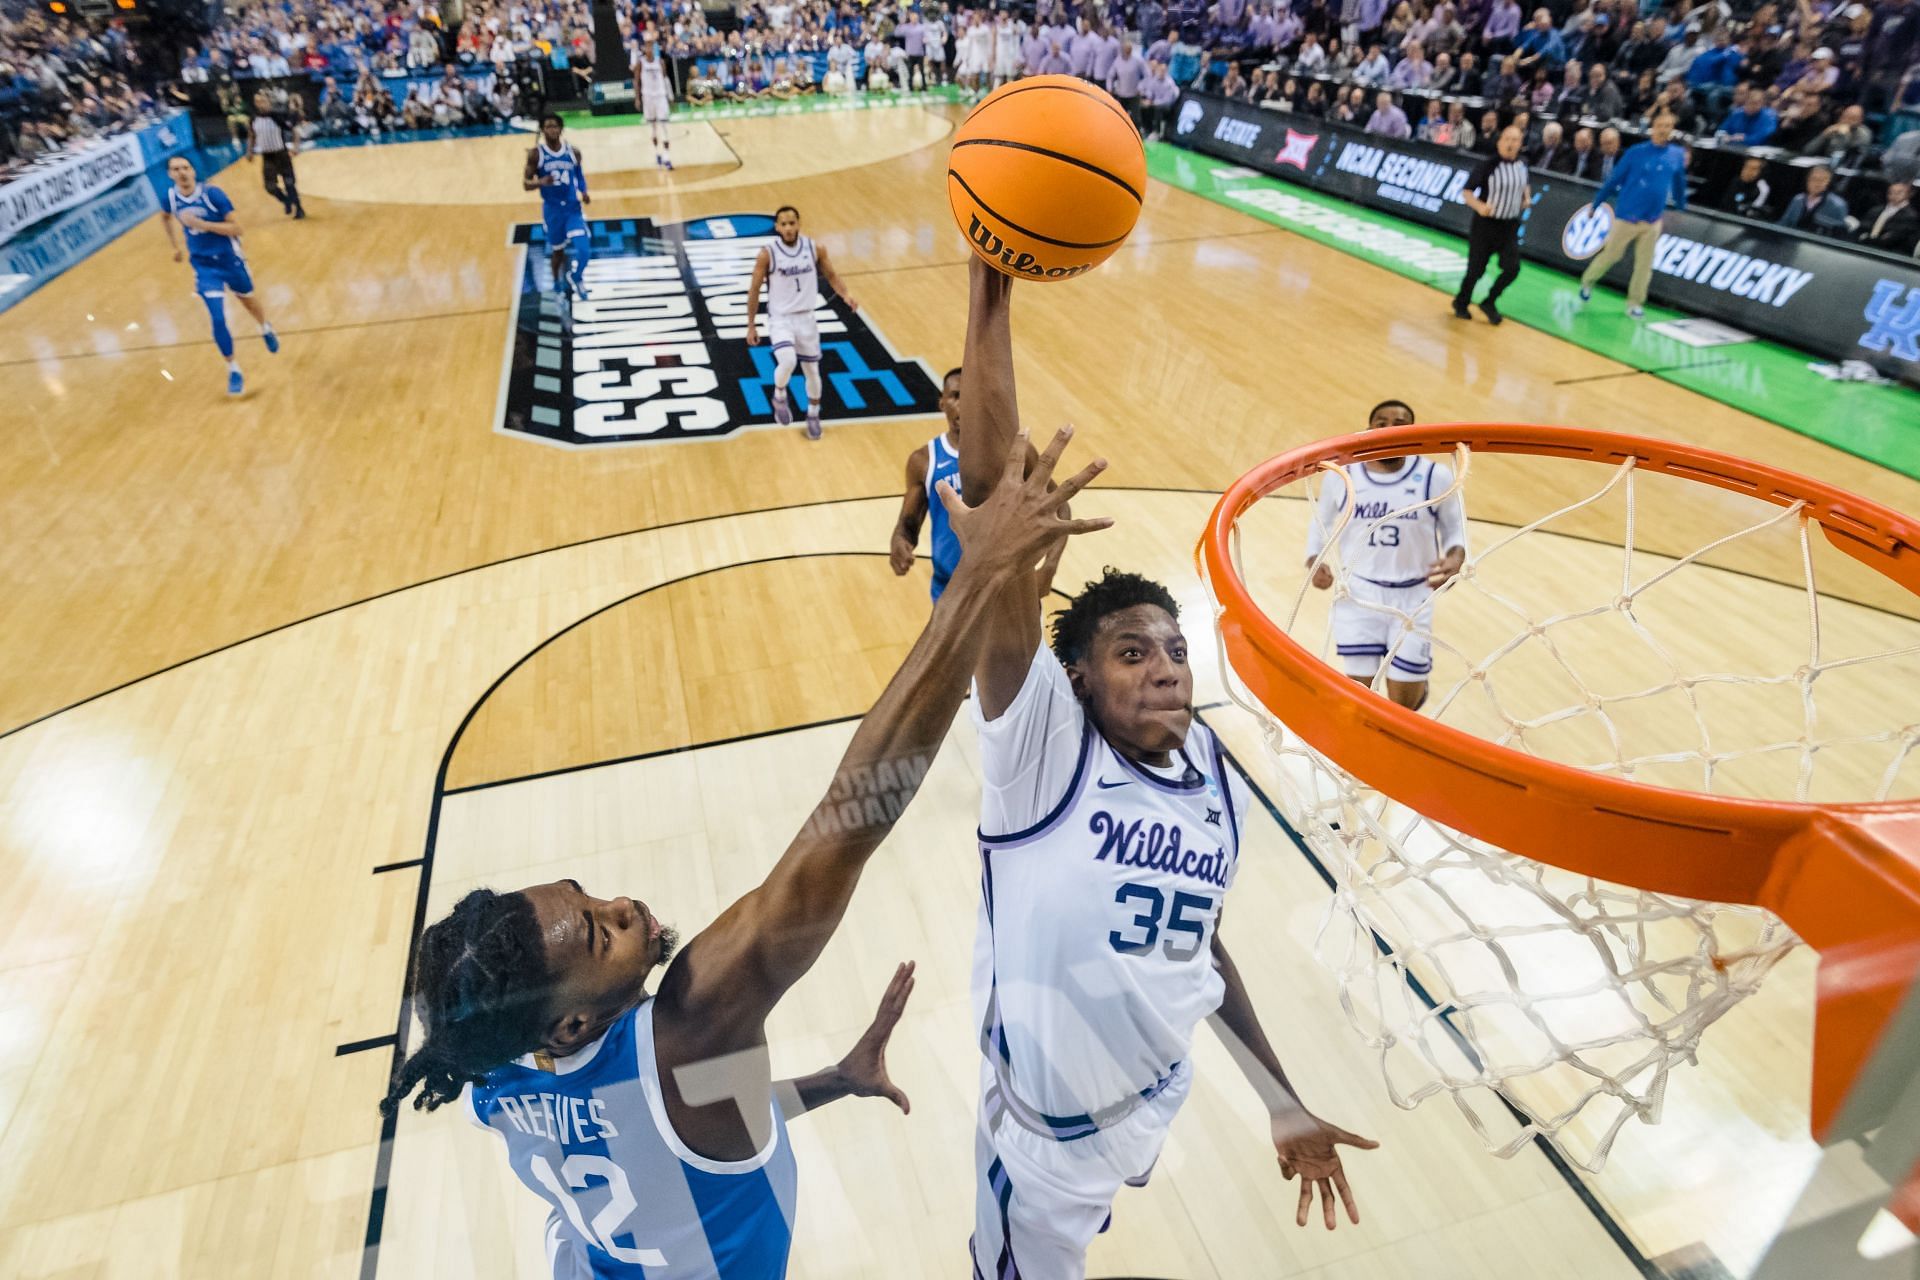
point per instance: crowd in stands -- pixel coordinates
(1811, 80)
(63, 84)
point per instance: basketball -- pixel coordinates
(1046, 176)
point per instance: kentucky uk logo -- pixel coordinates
(1298, 150)
(1586, 231)
(1896, 325)
(660, 351)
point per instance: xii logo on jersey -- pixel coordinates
(659, 353)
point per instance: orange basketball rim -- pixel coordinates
(1845, 877)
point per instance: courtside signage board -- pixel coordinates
(1791, 288)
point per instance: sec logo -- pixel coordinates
(1586, 231)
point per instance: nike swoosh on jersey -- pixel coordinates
(1104, 785)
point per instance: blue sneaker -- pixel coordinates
(272, 340)
(235, 383)
(1586, 294)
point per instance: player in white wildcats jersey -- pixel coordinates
(1109, 834)
(1406, 536)
(655, 91)
(649, 1121)
(791, 269)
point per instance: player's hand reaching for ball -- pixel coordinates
(1309, 1147)
(1020, 521)
(864, 1069)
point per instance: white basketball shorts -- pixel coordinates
(655, 107)
(1039, 1202)
(801, 333)
(1376, 624)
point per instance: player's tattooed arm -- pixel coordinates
(913, 512)
(762, 263)
(1305, 1144)
(825, 262)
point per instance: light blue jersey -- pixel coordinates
(564, 195)
(943, 463)
(630, 1200)
(217, 261)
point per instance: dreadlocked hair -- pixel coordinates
(1073, 626)
(479, 985)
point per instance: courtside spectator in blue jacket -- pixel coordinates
(1648, 175)
(1752, 121)
(1817, 209)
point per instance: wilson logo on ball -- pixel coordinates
(992, 246)
(1046, 177)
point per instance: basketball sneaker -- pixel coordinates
(235, 383)
(782, 411)
(1586, 293)
(272, 339)
(813, 423)
(1634, 313)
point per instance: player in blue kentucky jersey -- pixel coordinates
(205, 214)
(934, 463)
(649, 1122)
(555, 171)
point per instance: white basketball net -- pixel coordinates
(1524, 992)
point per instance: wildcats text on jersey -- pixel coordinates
(659, 353)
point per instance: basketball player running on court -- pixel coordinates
(1399, 546)
(205, 215)
(656, 101)
(650, 1123)
(1109, 835)
(932, 464)
(555, 171)
(791, 270)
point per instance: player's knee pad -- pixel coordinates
(217, 312)
(783, 362)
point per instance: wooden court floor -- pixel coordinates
(249, 728)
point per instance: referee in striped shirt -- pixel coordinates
(1498, 194)
(272, 142)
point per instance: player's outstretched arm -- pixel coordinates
(1305, 1144)
(762, 263)
(989, 422)
(913, 513)
(730, 976)
(863, 1072)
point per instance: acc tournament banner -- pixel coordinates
(659, 353)
(71, 179)
(1796, 289)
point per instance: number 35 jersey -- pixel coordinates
(1102, 882)
(630, 1200)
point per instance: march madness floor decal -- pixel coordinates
(660, 353)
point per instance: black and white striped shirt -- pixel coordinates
(1502, 184)
(267, 135)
